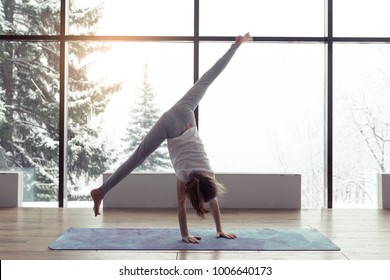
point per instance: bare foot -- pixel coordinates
(245, 38)
(97, 197)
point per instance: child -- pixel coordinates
(195, 178)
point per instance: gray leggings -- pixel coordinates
(172, 123)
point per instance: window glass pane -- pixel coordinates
(29, 137)
(108, 114)
(359, 18)
(361, 122)
(39, 17)
(265, 113)
(262, 18)
(124, 17)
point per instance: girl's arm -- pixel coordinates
(217, 219)
(182, 215)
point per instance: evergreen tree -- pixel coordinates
(2, 108)
(3, 163)
(29, 79)
(144, 115)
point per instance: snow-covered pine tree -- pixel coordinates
(143, 116)
(29, 133)
(2, 108)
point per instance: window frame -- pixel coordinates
(328, 40)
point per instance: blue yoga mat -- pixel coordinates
(169, 239)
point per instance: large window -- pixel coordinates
(136, 18)
(361, 18)
(129, 88)
(263, 18)
(308, 96)
(29, 115)
(265, 113)
(362, 122)
(30, 17)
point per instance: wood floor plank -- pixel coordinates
(362, 234)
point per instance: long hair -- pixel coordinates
(202, 188)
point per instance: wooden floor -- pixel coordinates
(25, 233)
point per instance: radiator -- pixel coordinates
(384, 191)
(11, 188)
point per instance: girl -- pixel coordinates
(195, 179)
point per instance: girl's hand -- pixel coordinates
(226, 235)
(241, 39)
(191, 239)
